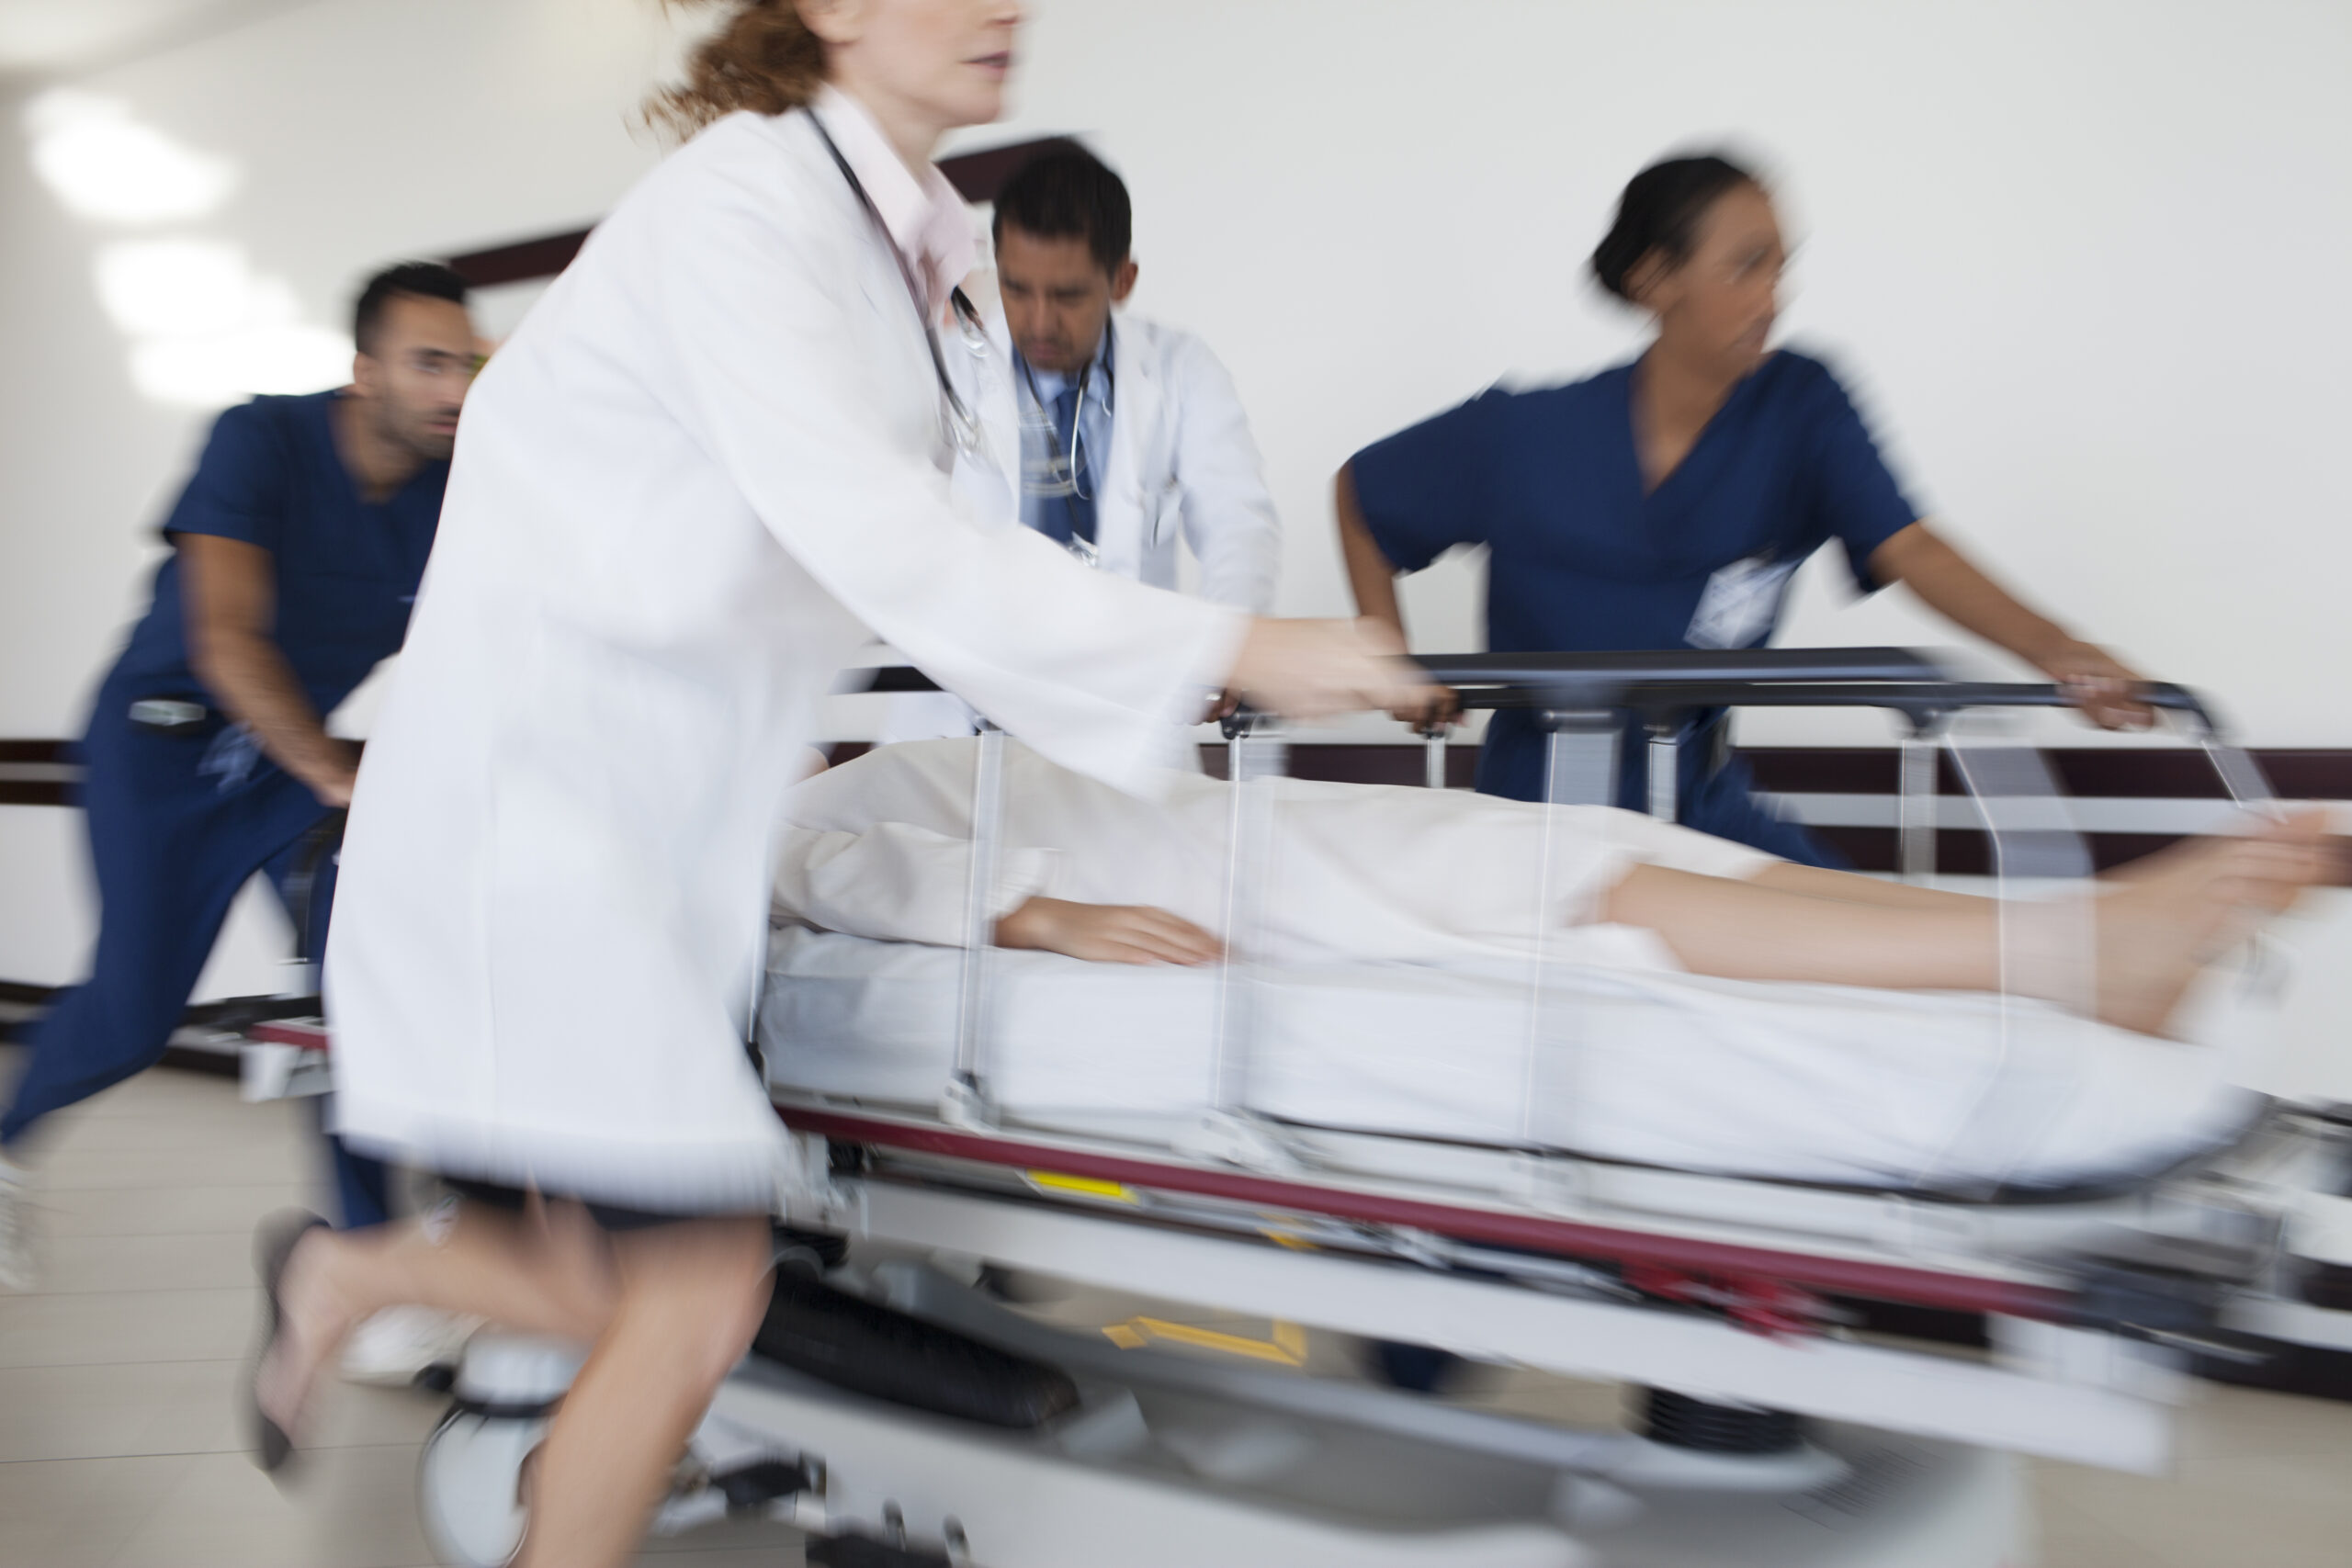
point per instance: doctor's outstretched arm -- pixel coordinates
(1088, 669)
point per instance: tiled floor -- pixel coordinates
(120, 1446)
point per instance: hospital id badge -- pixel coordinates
(1741, 603)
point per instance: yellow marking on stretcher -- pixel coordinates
(1283, 1238)
(1087, 1186)
(1287, 1347)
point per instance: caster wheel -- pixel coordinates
(469, 1483)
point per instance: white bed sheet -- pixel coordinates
(1810, 1083)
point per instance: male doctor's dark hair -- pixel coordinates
(1066, 192)
(424, 280)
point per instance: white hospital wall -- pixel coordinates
(2081, 260)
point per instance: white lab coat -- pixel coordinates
(706, 469)
(1181, 461)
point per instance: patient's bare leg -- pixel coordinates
(1818, 882)
(2153, 934)
(1752, 931)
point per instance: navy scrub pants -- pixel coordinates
(171, 843)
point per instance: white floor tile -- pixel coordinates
(118, 1410)
(172, 1211)
(344, 1508)
(80, 1265)
(126, 1326)
(79, 1513)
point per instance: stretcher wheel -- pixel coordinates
(469, 1486)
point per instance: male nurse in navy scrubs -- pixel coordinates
(1666, 504)
(296, 549)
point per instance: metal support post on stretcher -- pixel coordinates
(1918, 801)
(1256, 757)
(1433, 738)
(964, 1102)
(1664, 762)
(1580, 763)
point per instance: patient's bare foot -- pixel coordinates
(2178, 910)
(2302, 831)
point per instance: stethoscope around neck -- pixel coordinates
(961, 425)
(1057, 473)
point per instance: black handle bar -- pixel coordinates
(1658, 682)
(1550, 671)
(1920, 701)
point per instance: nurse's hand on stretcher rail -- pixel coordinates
(2095, 682)
(1106, 934)
(1318, 669)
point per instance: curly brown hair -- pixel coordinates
(763, 58)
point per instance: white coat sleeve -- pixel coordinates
(756, 289)
(1229, 519)
(895, 882)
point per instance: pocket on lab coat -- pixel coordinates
(1162, 508)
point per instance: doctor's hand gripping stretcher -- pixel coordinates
(904, 1413)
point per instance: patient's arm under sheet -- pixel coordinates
(895, 882)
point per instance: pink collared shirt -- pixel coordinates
(927, 219)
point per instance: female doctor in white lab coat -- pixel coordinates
(708, 468)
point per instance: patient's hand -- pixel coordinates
(1106, 934)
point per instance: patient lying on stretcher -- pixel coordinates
(880, 848)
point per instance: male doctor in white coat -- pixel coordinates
(1109, 434)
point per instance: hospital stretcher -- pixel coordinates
(1787, 1409)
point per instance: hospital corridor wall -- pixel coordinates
(2078, 260)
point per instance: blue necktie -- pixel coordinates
(1067, 517)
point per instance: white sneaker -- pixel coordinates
(17, 1187)
(400, 1345)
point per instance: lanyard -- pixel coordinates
(963, 430)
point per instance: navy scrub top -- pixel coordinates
(348, 568)
(1581, 560)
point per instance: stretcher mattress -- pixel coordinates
(1796, 1082)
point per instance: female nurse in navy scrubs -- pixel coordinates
(1665, 504)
